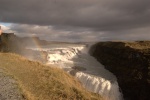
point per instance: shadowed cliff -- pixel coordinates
(130, 62)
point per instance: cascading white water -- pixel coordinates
(86, 69)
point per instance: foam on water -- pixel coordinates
(86, 69)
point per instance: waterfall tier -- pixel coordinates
(93, 75)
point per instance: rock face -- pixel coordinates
(130, 62)
(10, 42)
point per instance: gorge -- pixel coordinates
(130, 62)
(127, 62)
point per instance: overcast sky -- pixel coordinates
(77, 20)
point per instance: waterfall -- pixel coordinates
(75, 60)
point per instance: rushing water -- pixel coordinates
(75, 60)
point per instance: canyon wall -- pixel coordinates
(130, 62)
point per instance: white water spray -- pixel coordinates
(93, 75)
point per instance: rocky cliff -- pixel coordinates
(130, 62)
(10, 42)
(14, 44)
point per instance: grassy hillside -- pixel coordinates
(40, 82)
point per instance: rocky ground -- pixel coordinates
(9, 89)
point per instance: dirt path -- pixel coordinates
(8, 88)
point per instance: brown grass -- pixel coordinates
(139, 45)
(41, 82)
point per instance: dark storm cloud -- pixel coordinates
(100, 15)
(50, 33)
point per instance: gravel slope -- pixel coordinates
(8, 88)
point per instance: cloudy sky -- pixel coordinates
(77, 20)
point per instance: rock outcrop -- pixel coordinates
(130, 62)
(14, 44)
(10, 43)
